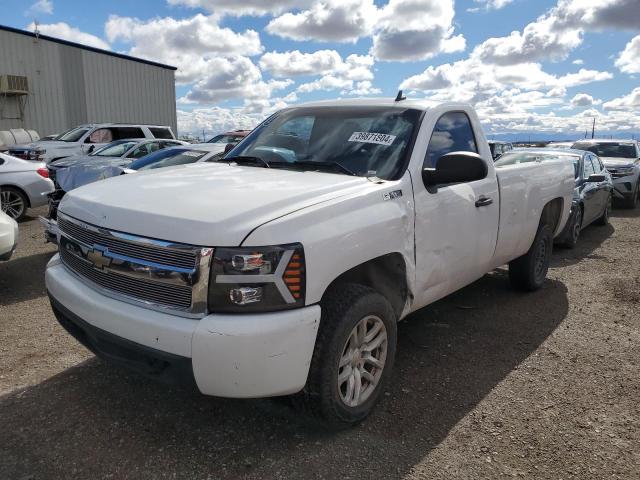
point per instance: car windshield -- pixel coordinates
(361, 140)
(72, 135)
(512, 158)
(608, 149)
(114, 149)
(168, 158)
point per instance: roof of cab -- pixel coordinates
(417, 103)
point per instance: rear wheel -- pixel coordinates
(14, 203)
(529, 271)
(574, 232)
(353, 356)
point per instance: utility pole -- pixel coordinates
(593, 128)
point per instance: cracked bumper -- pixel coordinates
(236, 356)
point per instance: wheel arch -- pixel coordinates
(20, 189)
(387, 274)
(552, 213)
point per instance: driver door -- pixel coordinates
(456, 226)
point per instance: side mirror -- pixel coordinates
(229, 146)
(91, 148)
(596, 178)
(455, 167)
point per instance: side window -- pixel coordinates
(161, 132)
(299, 127)
(588, 167)
(101, 135)
(120, 133)
(144, 149)
(452, 133)
(597, 164)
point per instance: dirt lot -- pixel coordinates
(489, 383)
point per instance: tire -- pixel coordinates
(603, 220)
(632, 201)
(14, 203)
(529, 271)
(574, 232)
(326, 396)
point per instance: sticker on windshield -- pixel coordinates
(369, 137)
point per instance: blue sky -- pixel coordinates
(543, 66)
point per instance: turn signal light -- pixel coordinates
(293, 276)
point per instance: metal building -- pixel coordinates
(50, 85)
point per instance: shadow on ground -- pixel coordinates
(22, 278)
(590, 239)
(94, 420)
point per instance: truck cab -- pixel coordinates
(284, 268)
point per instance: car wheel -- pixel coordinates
(529, 271)
(353, 356)
(14, 203)
(603, 219)
(574, 233)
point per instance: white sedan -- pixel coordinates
(8, 236)
(23, 184)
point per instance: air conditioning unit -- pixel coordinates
(13, 85)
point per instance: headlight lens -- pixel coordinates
(626, 171)
(257, 279)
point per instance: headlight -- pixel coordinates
(257, 279)
(626, 171)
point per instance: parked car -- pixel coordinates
(230, 137)
(8, 235)
(91, 170)
(622, 159)
(23, 185)
(285, 267)
(498, 148)
(559, 145)
(85, 139)
(591, 196)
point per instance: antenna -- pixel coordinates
(400, 96)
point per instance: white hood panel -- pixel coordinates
(203, 204)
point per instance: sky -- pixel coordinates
(532, 68)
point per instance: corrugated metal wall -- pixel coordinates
(69, 86)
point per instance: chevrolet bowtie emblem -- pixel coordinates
(98, 259)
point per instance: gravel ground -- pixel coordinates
(489, 383)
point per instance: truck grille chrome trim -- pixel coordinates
(153, 273)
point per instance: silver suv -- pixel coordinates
(85, 139)
(622, 159)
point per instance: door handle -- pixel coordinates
(484, 201)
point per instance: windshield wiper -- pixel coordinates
(247, 159)
(332, 165)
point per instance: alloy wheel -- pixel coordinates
(12, 204)
(362, 361)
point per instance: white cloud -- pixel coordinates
(328, 82)
(559, 31)
(215, 120)
(327, 21)
(584, 100)
(66, 32)
(629, 59)
(44, 7)
(363, 88)
(236, 78)
(402, 30)
(246, 7)
(578, 61)
(190, 44)
(489, 5)
(629, 102)
(287, 64)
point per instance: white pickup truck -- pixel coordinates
(284, 268)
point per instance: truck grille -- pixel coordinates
(154, 292)
(149, 253)
(156, 273)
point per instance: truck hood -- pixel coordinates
(204, 204)
(91, 169)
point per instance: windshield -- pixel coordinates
(168, 158)
(608, 149)
(72, 135)
(512, 158)
(114, 149)
(361, 140)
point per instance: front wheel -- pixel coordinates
(353, 356)
(632, 201)
(529, 271)
(574, 232)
